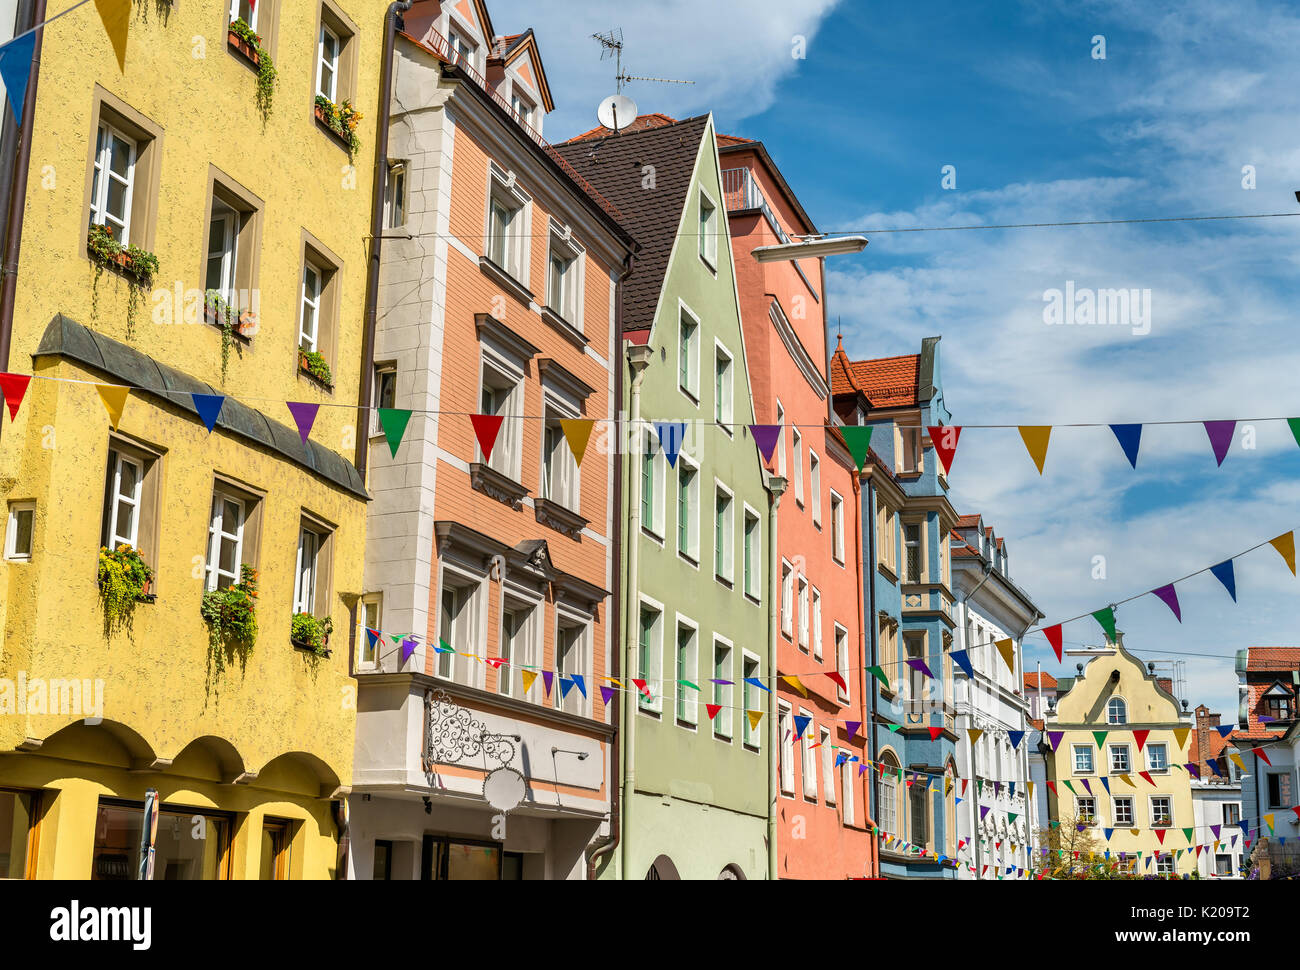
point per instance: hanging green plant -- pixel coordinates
(341, 119)
(231, 615)
(314, 364)
(266, 72)
(138, 266)
(217, 310)
(309, 632)
(124, 579)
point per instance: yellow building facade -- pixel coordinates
(1116, 720)
(270, 212)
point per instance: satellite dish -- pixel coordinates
(616, 112)
(504, 789)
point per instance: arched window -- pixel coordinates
(887, 793)
(1116, 711)
(662, 868)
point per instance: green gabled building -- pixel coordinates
(695, 567)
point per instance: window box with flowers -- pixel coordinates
(341, 122)
(313, 364)
(231, 615)
(231, 322)
(124, 580)
(1161, 822)
(137, 266)
(311, 633)
(248, 44)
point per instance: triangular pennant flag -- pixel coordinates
(394, 422)
(641, 686)
(1180, 735)
(671, 435)
(577, 432)
(1015, 737)
(800, 724)
(1141, 737)
(1170, 599)
(1006, 647)
(547, 678)
(114, 397)
(858, 438)
(1147, 776)
(1127, 780)
(14, 386)
(935, 732)
(945, 441)
(757, 683)
(408, 648)
(879, 675)
(1225, 729)
(304, 415)
(793, 681)
(1035, 438)
(1106, 618)
(974, 734)
(1100, 737)
(713, 710)
(687, 683)
(566, 685)
(893, 728)
(1086, 787)
(1160, 834)
(444, 647)
(962, 659)
(15, 70)
(580, 682)
(1053, 634)
(839, 681)
(486, 429)
(372, 638)
(1105, 783)
(1054, 738)
(1220, 433)
(917, 664)
(765, 437)
(1187, 834)
(1129, 437)
(116, 16)
(1259, 752)
(1223, 573)
(606, 694)
(984, 810)
(1285, 546)
(209, 408)
(754, 718)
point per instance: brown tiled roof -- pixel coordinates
(1031, 681)
(613, 166)
(642, 123)
(1273, 658)
(888, 381)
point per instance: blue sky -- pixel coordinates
(1039, 130)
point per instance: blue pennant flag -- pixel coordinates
(670, 435)
(960, 658)
(16, 70)
(800, 723)
(1105, 783)
(566, 685)
(1015, 737)
(757, 683)
(1223, 573)
(841, 758)
(1011, 789)
(1245, 828)
(1129, 437)
(209, 408)
(580, 682)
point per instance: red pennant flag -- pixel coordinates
(839, 681)
(1262, 755)
(1147, 776)
(964, 783)
(945, 440)
(640, 685)
(14, 387)
(713, 710)
(1052, 785)
(1053, 634)
(1141, 738)
(486, 429)
(935, 732)
(1160, 834)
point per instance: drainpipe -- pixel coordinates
(869, 589)
(362, 453)
(776, 485)
(602, 847)
(970, 695)
(862, 670)
(1023, 757)
(638, 358)
(18, 193)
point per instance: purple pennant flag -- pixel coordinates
(1220, 433)
(1170, 599)
(304, 415)
(1193, 769)
(766, 437)
(1223, 573)
(851, 728)
(547, 677)
(408, 648)
(606, 695)
(984, 810)
(1086, 786)
(916, 664)
(1054, 737)
(861, 768)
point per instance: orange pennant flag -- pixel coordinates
(1035, 438)
(793, 681)
(1005, 648)
(577, 432)
(114, 398)
(1285, 546)
(116, 16)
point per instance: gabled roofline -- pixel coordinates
(761, 151)
(523, 42)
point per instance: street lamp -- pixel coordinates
(811, 247)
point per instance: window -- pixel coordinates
(131, 497)
(653, 465)
(803, 614)
(1119, 760)
(809, 760)
(887, 794)
(385, 394)
(708, 231)
(752, 737)
(564, 278)
(1279, 790)
(1123, 811)
(886, 540)
(786, 730)
(113, 181)
(753, 552)
(223, 236)
(18, 533)
(225, 541)
(1116, 711)
(1162, 815)
(311, 590)
(688, 355)
(395, 196)
(309, 315)
(1278, 707)
(797, 453)
(722, 379)
(1231, 813)
(846, 782)
(780, 441)
(920, 806)
(371, 619)
(507, 229)
(245, 10)
(817, 623)
(522, 109)
(688, 510)
(828, 762)
(888, 641)
(915, 567)
(837, 528)
(19, 814)
(687, 669)
(1165, 865)
(724, 539)
(276, 849)
(502, 394)
(915, 643)
(1157, 757)
(787, 599)
(178, 853)
(516, 646)
(382, 869)
(650, 657)
(572, 656)
(1083, 759)
(722, 692)
(560, 474)
(459, 626)
(127, 483)
(328, 47)
(1085, 810)
(318, 300)
(462, 50)
(1222, 865)
(842, 660)
(909, 455)
(815, 486)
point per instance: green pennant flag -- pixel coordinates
(687, 683)
(1188, 834)
(879, 675)
(1294, 424)
(858, 439)
(979, 786)
(1106, 618)
(1012, 816)
(1071, 787)
(894, 729)
(1054, 825)
(1100, 737)
(394, 421)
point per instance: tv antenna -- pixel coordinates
(611, 43)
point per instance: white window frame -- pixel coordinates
(11, 531)
(809, 759)
(252, 13)
(723, 406)
(842, 663)
(828, 764)
(395, 194)
(654, 676)
(1128, 759)
(131, 537)
(1151, 807)
(817, 623)
(785, 726)
(562, 482)
(528, 649)
(217, 532)
(723, 694)
(368, 657)
(752, 738)
(754, 557)
(787, 599)
(709, 232)
(728, 537)
(691, 347)
(657, 528)
(575, 703)
(506, 192)
(837, 527)
(815, 487)
(323, 62)
(1124, 713)
(305, 576)
(229, 251)
(1149, 749)
(691, 553)
(780, 441)
(687, 708)
(467, 631)
(381, 370)
(1075, 751)
(1079, 809)
(849, 809)
(572, 280)
(507, 450)
(796, 453)
(1127, 801)
(887, 797)
(310, 299)
(802, 586)
(103, 174)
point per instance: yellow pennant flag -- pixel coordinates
(528, 677)
(116, 16)
(114, 398)
(1005, 647)
(975, 734)
(1134, 831)
(1285, 545)
(1236, 758)
(1127, 780)
(613, 680)
(1030, 785)
(1035, 438)
(793, 681)
(754, 718)
(1269, 820)
(1180, 735)
(577, 432)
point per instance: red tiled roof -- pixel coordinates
(1049, 682)
(1037, 723)
(1000, 543)
(1254, 734)
(642, 123)
(842, 379)
(888, 381)
(1273, 658)
(968, 521)
(1217, 745)
(727, 141)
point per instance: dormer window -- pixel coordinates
(522, 109)
(1278, 703)
(462, 51)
